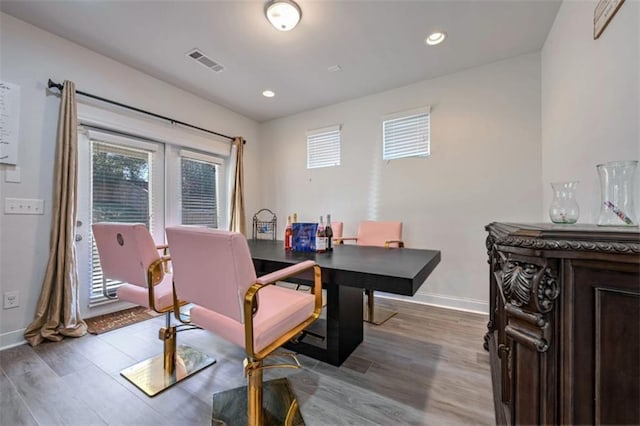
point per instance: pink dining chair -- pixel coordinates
(336, 227)
(379, 234)
(128, 253)
(213, 271)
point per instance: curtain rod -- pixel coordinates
(59, 86)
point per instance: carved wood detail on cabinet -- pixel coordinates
(564, 323)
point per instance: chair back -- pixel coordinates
(211, 268)
(376, 233)
(336, 227)
(126, 250)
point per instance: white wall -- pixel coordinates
(30, 57)
(590, 99)
(485, 166)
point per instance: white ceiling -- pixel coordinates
(379, 44)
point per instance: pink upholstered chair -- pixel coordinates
(336, 227)
(379, 234)
(129, 254)
(214, 271)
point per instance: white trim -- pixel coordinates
(334, 128)
(440, 300)
(12, 339)
(152, 129)
(193, 155)
(408, 113)
(110, 138)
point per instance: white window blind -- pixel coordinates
(406, 135)
(323, 147)
(199, 192)
(121, 192)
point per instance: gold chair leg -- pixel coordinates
(254, 392)
(168, 337)
(375, 315)
(257, 404)
(280, 407)
(176, 363)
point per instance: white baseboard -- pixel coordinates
(450, 302)
(12, 338)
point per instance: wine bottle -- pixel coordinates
(321, 242)
(328, 232)
(288, 235)
(295, 218)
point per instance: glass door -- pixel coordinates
(122, 181)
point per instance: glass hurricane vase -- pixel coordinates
(564, 207)
(617, 191)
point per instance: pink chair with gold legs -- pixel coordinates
(129, 254)
(336, 227)
(213, 270)
(380, 234)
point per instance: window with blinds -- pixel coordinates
(406, 135)
(199, 191)
(121, 192)
(323, 147)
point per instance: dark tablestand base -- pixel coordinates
(344, 328)
(280, 406)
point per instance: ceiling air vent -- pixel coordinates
(204, 60)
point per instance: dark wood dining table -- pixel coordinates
(346, 271)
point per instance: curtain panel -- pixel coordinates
(58, 312)
(238, 223)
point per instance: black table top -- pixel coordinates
(393, 270)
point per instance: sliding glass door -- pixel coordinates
(122, 181)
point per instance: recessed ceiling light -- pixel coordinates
(268, 93)
(435, 38)
(334, 68)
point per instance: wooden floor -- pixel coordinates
(425, 366)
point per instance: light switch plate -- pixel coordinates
(12, 174)
(23, 206)
(11, 299)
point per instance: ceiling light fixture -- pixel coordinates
(268, 94)
(284, 15)
(435, 38)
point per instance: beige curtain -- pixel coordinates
(237, 223)
(57, 313)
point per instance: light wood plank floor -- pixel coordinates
(425, 366)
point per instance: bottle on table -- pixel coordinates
(321, 239)
(295, 218)
(328, 232)
(288, 235)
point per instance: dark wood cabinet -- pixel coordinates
(564, 323)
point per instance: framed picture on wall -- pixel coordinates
(604, 11)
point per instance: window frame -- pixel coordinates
(220, 174)
(324, 132)
(406, 115)
(87, 136)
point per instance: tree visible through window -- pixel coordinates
(120, 184)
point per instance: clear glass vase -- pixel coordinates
(617, 191)
(564, 207)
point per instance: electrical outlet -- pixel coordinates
(11, 299)
(23, 206)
